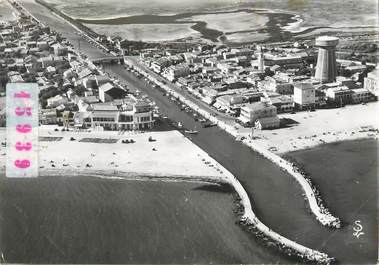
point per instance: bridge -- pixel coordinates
(108, 60)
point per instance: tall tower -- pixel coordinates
(326, 69)
(261, 59)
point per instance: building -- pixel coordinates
(105, 115)
(48, 116)
(254, 111)
(304, 95)
(339, 94)
(371, 82)
(326, 69)
(130, 115)
(174, 72)
(283, 103)
(267, 123)
(109, 92)
(279, 86)
(361, 95)
(56, 101)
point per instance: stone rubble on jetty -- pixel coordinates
(320, 212)
(249, 218)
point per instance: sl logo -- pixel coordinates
(358, 229)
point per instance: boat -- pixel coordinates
(180, 125)
(207, 125)
(191, 131)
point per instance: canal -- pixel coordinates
(276, 197)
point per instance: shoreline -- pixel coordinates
(126, 175)
(321, 213)
(306, 250)
(320, 145)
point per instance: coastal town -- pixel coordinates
(271, 97)
(249, 87)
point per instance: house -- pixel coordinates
(361, 95)
(109, 92)
(279, 86)
(283, 103)
(48, 116)
(371, 82)
(174, 72)
(84, 73)
(56, 101)
(251, 112)
(339, 94)
(59, 50)
(267, 123)
(230, 103)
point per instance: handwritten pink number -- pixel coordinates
(26, 146)
(21, 111)
(22, 94)
(26, 128)
(22, 163)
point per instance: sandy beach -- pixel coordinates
(170, 155)
(309, 129)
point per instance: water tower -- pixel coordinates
(326, 69)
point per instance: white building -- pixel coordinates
(254, 111)
(56, 101)
(304, 95)
(371, 82)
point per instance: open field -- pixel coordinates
(309, 129)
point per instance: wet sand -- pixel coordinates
(272, 26)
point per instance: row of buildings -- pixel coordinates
(73, 91)
(254, 79)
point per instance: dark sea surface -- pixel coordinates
(277, 198)
(90, 220)
(347, 173)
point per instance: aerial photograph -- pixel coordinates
(189, 131)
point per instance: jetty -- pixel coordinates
(249, 218)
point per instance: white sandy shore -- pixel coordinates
(322, 126)
(175, 155)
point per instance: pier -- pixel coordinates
(321, 213)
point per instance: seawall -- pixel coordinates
(249, 218)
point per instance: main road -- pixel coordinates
(276, 197)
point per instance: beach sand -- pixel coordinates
(310, 129)
(175, 155)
